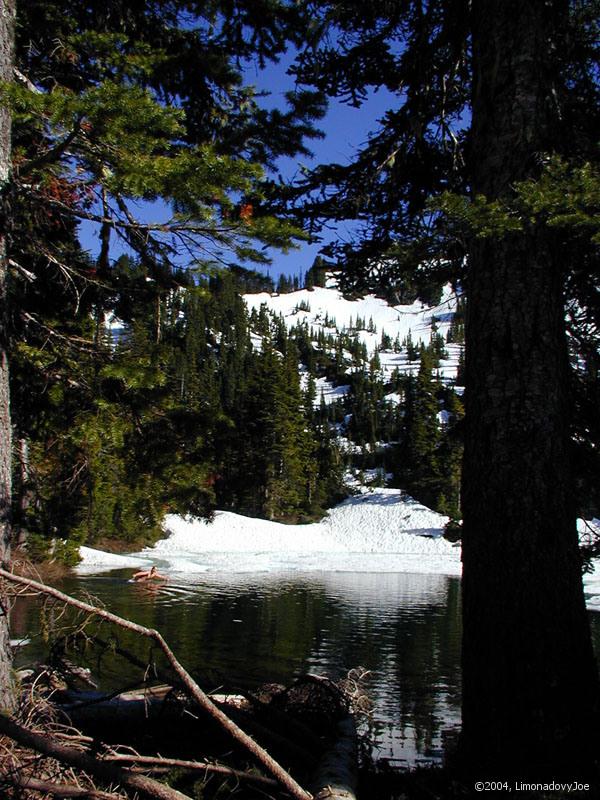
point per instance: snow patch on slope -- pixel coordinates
(330, 305)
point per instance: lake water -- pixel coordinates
(242, 630)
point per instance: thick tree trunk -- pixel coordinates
(530, 685)
(7, 17)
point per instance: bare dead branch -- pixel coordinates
(57, 790)
(24, 81)
(195, 766)
(76, 342)
(191, 688)
(172, 226)
(110, 773)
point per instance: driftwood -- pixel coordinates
(98, 711)
(131, 702)
(136, 705)
(188, 684)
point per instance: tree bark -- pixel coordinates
(7, 22)
(22, 493)
(530, 684)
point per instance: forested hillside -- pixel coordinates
(204, 395)
(145, 370)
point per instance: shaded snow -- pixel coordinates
(329, 392)
(98, 561)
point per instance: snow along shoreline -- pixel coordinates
(379, 530)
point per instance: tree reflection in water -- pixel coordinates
(240, 630)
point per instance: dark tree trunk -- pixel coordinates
(7, 16)
(530, 685)
(22, 493)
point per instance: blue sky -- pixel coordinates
(345, 129)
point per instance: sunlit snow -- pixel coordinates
(377, 531)
(397, 321)
(93, 561)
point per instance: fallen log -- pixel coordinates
(337, 773)
(117, 707)
(188, 684)
(98, 712)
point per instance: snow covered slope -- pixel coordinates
(333, 313)
(397, 320)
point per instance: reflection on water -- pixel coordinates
(247, 629)
(242, 630)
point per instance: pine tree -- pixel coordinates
(316, 275)
(419, 467)
(516, 82)
(310, 396)
(412, 352)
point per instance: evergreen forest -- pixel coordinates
(147, 182)
(189, 402)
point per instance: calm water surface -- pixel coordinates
(243, 630)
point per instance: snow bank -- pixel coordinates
(93, 561)
(381, 530)
(378, 531)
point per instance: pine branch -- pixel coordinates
(51, 156)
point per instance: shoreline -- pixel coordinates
(376, 531)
